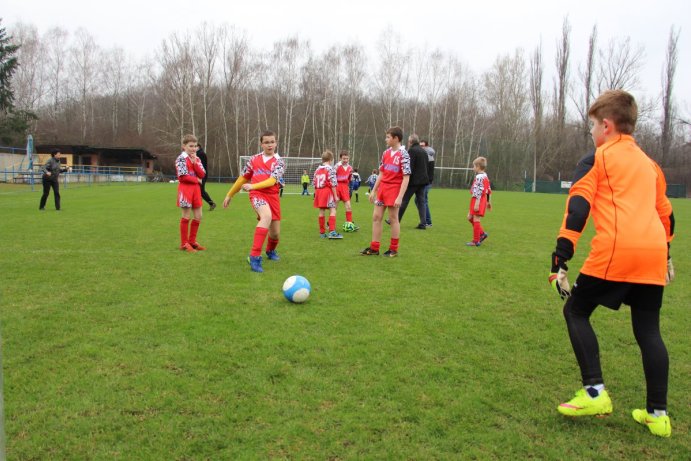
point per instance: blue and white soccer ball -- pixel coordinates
(296, 289)
(348, 226)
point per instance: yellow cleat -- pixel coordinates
(584, 405)
(658, 425)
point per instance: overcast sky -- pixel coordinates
(477, 32)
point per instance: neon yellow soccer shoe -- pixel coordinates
(584, 405)
(658, 425)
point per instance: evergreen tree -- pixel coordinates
(8, 64)
(13, 124)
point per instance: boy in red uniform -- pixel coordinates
(325, 195)
(344, 173)
(479, 201)
(190, 173)
(388, 192)
(261, 177)
(624, 191)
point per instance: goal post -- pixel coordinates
(293, 171)
(453, 177)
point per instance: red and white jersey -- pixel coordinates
(324, 177)
(187, 170)
(343, 172)
(257, 169)
(394, 165)
(480, 186)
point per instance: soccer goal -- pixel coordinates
(295, 166)
(452, 177)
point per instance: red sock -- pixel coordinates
(349, 216)
(394, 244)
(271, 244)
(258, 243)
(477, 231)
(374, 245)
(322, 220)
(332, 223)
(184, 226)
(194, 227)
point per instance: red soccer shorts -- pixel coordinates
(323, 198)
(343, 191)
(189, 195)
(482, 208)
(258, 199)
(387, 193)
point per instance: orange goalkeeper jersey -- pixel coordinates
(624, 191)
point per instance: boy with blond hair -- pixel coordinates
(325, 195)
(388, 191)
(624, 191)
(480, 193)
(261, 177)
(190, 173)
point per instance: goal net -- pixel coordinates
(454, 178)
(295, 166)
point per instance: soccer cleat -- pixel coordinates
(322, 236)
(658, 425)
(212, 207)
(255, 263)
(421, 227)
(584, 405)
(369, 252)
(483, 237)
(272, 255)
(334, 235)
(472, 244)
(188, 248)
(391, 253)
(197, 246)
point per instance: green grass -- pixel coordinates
(116, 345)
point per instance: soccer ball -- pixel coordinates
(296, 289)
(348, 226)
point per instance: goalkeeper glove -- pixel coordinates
(558, 277)
(670, 271)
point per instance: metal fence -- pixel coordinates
(562, 187)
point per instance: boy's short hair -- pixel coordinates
(343, 154)
(619, 107)
(481, 162)
(396, 132)
(327, 156)
(189, 138)
(266, 133)
(54, 152)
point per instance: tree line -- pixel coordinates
(212, 82)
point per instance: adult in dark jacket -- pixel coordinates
(418, 180)
(51, 175)
(430, 173)
(205, 163)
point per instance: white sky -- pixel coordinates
(477, 32)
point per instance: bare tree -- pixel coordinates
(670, 68)
(174, 87)
(536, 72)
(562, 63)
(56, 49)
(586, 76)
(208, 49)
(619, 66)
(29, 80)
(114, 72)
(83, 54)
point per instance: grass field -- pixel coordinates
(116, 345)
